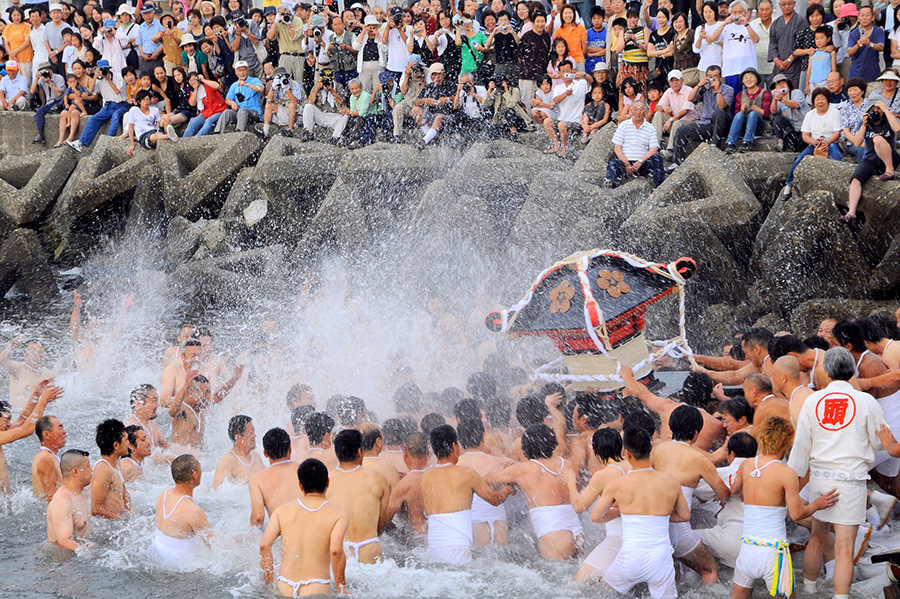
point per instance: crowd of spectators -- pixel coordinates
(821, 80)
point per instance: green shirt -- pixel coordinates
(471, 57)
(360, 105)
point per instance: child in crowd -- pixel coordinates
(595, 115)
(542, 105)
(822, 62)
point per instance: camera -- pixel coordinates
(467, 87)
(106, 72)
(418, 70)
(46, 73)
(875, 116)
(241, 22)
(397, 19)
(843, 23)
(91, 72)
(568, 75)
(284, 81)
(317, 32)
(240, 97)
(709, 79)
(286, 16)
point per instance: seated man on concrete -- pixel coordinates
(325, 107)
(637, 150)
(14, 89)
(715, 98)
(244, 100)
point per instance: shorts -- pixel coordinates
(145, 142)
(684, 539)
(755, 563)
(850, 508)
(653, 566)
(867, 169)
(886, 465)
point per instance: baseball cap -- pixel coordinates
(269, 10)
(147, 8)
(240, 63)
(55, 7)
(103, 64)
(280, 71)
(235, 14)
(371, 20)
(848, 10)
(436, 68)
(12, 65)
(110, 23)
(675, 74)
(778, 79)
(888, 75)
(316, 21)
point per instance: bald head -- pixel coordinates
(183, 468)
(72, 461)
(788, 366)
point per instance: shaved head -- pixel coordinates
(788, 366)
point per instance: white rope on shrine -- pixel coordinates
(676, 347)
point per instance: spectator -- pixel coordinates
(542, 105)
(111, 45)
(468, 104)
(596, 114)
(148, 39)
(628, 94)
(343, 56)
(417, 41)
(534, 55)
(48, 88)
(394, 38)
(673, 110)
(504, 96)
(14, 89)
(888, 93)
(835, 84)
(111, 88)
(782, 41)
(505, 42)
(80, 98)
(370, 53)
(865, 46)
(575, 35)
(324, 107)
(846, 24)
(244, 100)
(661, 47)
(752, 106)
(53, 38)
(822, 62)
(632, 44)
(207, 98)
(636, 148)
(16, 36)
(852, 112)
(282, 102)
(595, 40)
(683, 57)
(559, 56)
(710, 52)
(411, 85)
(194, 23)
(145, 125)
(715, 116)
(879, 129)
(610, 93)
(359, 130)
(180, 109)
(443, 41)
(435, 104)
(171, 44)
(38, 42)
(894, 40)
(761, 24)
(243, 42)
(789, 109)
(165, 87)
(318, 39)
(193, 59)
(821, 130)
(805, 44)
(738, 39)
(129, 30)
(523, 17)
(290, 42)
(569, 97)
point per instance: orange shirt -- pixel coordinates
(572, 34)
(15, 36)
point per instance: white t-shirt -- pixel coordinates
(143, 122)
(547, 98)
(895, 37)
(821, 125)
(738, 50)
(40, 48)
(570, 108)
(710, 54)
(470, 105)
(398, 53)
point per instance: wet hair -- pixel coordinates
(350, 409)
(5, 407)
(277, 443)
(187, 342)
(816, 342)
(44, 425)
(430, 421)
(482, 385)
(760, 382)
(416, 444)
(348, 444)
(640, 420)
(132, 432)
(140, 394)
(757, 336)
(332, 405)
(597, 410)
(296, 392)
(370, 437)
(685, 422)
(872, 331)
(183, 467)
(70, 459)
(313, 476)
(408, 398)
(888, 324)
(238, 426)
(839, 364)
(467, 409)
(784, 345)
(775, 434)
(497, 411)
(471, 433)
(849, 333)
(108, 433)
(531, 410)
(696, 390)
(737, 408)
(742, 445)
(637, 442)
(539, 441)
(442, 439)
(299, 416)
(451, 396)
(607, 444)
(318, 424)
(395, 430)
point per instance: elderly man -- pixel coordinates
(325, 107)
(434, 104)
(244, 100)
(636, 150)
(411, 85)
(13, 88)
(836, 440)
(149, 39)
(865, 45)
(836, 90)
(282, 102)
(783, 40)
(674, 109)
(761, 24)
(715, 115)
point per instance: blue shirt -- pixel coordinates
(145, 32)
(252, 98)
(595, 39)
(865, 62)
(819, 66)
(711, 103)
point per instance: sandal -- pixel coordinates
(59, 144)
(887, 176)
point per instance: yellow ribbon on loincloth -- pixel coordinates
(783, 581)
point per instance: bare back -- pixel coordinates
(46, 477)
(272, 488)
(545, 482)
(647, 493)
(383, 467)
(364, 495)
(177, 515)
(326, 456)
(448, 488)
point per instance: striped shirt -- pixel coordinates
(635, 141)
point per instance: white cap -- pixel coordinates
(675, 74)
(240, 63)
(371, 20)
(55, 7)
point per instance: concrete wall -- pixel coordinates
(17, 129)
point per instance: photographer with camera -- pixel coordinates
(788, 110)
(171, 43)
(845, 24)
(879, 130)
(343, 56)
(244, 100)
(371, 53)
(243, 34)
(435, 105)
(505, 42)
(318, 38)
(288, 30)
(48, 87)
(111, 45)
(115, 104)
(568, 97)
(443, 41)
(411, 85)
(505, 97)
(394, 36)
(418, 42)
(471, 101)
(325, 107)
(282, 102)
(207, 98)
(714, 123)
(149, 39)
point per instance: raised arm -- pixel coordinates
(654, 403)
